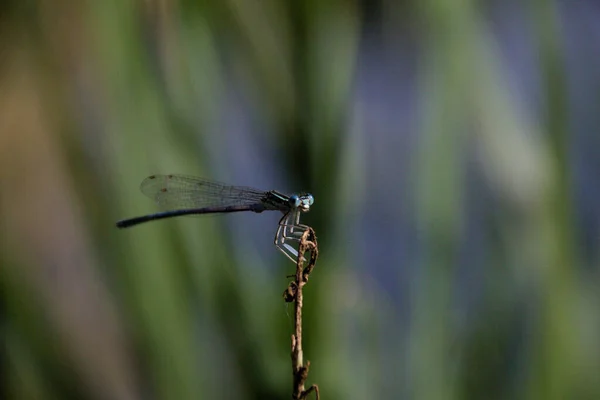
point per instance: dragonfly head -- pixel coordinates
(303, 201)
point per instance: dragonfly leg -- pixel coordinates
(289, 230)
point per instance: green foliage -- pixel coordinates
(95, 96)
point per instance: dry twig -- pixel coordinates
(293, 293)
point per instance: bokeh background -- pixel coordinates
(452, 148)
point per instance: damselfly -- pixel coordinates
(189, 195)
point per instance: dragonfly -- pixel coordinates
(182, 195)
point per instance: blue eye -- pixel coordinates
(294, 201)
(311, 199)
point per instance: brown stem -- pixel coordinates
(308, 242)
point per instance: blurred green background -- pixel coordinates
(451, 147)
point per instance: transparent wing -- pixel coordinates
(173, 192)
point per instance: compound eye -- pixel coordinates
(311, 199)
(294, 201)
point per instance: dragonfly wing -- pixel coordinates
(182, 191)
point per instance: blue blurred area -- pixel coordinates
(451, 149)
